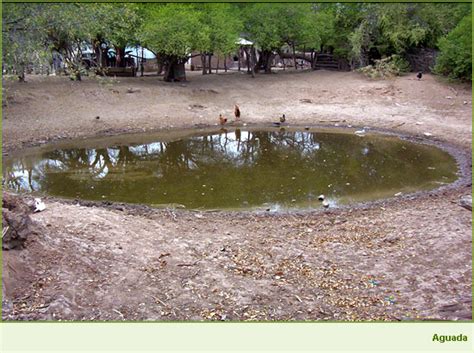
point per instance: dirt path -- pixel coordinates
(406, 259)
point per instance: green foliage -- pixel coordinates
(117, 24)
(174, 30)
(270, 26)
(455, 58)
(360, 32)
(359, 40)
(24, 39)
(223, 26)
(386, 68)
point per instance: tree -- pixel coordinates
(113, 25)
(173, 31)
(24, 40)
(223, 25)
(295, 26)
(455, 58)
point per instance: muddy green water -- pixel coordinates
(268, 168)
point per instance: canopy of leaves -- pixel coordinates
(223, 26)
(356, 31)
(24, 40)
(271, 26)
(455, 58)
(174, 30)
(116, 24)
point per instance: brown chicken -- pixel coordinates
(222, 120)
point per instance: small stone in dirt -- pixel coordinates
(466, 202)
(448, 97)
(398, 194)
(132, 90)
(97, 117)
(321, 197)
(392, 239)
(427, 134)
(325, 204)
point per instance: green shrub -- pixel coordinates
(455, 57)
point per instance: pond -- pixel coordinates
(255, 168)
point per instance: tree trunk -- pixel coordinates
(267, 58)
(119, 56)
(254, 59)
(169, 72)
(294, 57)
(217, 68)
(225, 64)
(209, 62)
(142, 67)
(159, 63)
(247, 56)
(174, 70)
(240, 57)
(257, 65)
(203, 63)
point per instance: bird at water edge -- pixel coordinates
(282, 120)
(237, 112)
(222, 120)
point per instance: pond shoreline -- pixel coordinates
(461, 156)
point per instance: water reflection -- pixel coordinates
(233, 169)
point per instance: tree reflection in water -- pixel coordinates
(233, 169)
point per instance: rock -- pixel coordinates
(17, 224)
(466, 202)
(321, 197)
(60, 307)
(325, 204)
(427, 134)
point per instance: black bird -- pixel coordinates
(237, 112)
(282, 120)
(419, 75)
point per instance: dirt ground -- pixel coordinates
(398, 259)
